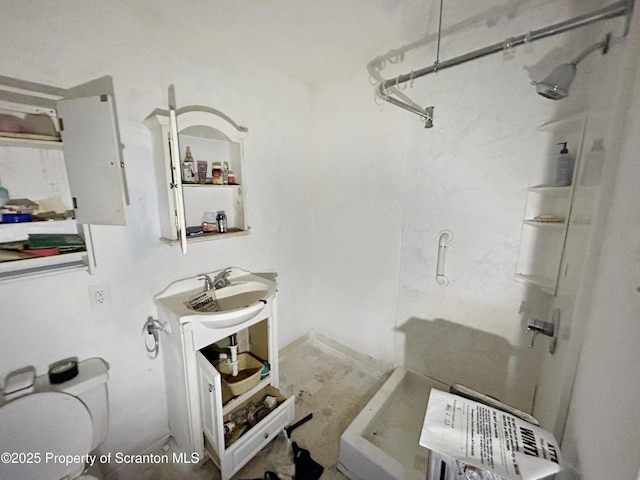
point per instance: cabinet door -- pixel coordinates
(176, 173)
(93, 158)
(210, 403)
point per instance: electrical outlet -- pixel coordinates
(99, 296)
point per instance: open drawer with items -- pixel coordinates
(237, 423)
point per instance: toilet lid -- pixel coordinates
(47, 429)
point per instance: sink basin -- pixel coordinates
(244, 298)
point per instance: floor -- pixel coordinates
(327, 383)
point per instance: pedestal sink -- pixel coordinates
(245, 297)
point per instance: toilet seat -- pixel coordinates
(48, 424)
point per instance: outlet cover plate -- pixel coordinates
(99, 296)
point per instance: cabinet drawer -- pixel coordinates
(264, 431)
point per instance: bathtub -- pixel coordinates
(382, 441)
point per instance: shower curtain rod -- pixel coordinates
(623, 7)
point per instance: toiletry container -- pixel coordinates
(564, 167)
(188, 165)
(4, 195)
(225, 173)
(216, 174)
(221, 222)
(592, 173)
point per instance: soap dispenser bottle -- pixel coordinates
(564, 167)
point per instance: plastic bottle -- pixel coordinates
(4, 195)
(221, 222)
(592, 174)
(225, 173)
(188, 167)
(564, 167)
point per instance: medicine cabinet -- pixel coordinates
(549, 208)
(60, 155)
(213, 138)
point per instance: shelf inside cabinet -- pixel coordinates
(30, 140)
(209, 185)
(556, 226)
(206, 236)
(44, 265)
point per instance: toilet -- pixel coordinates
(50, 429)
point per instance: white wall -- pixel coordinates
(44, 320)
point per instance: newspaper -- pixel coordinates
(203, 302)
(489, 439)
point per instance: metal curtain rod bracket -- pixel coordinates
(623, 7)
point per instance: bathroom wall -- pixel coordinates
(44, 320)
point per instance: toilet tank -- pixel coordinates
(90, 386)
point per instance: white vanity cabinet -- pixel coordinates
(66, 155)
(549, 209)
(199, 403)
(212, 138)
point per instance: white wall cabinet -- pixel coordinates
(212, 138)
(199, 403)
(548, 208)
(68, 158)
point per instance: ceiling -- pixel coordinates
(314, 41)
(311, 40)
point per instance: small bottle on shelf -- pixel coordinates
(564, 167)
(225, 173)
(188, 167)
(221, 222)
(216, 174)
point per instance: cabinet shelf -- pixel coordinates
(204, 237)
(209, 185)
(37, 225)
(44, 265)
(554, 226)
(30, 140)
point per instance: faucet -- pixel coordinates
(550, 329)
(208, 284)
(222, 279)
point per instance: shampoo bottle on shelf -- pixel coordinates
(592, 172)
(564, 167)
(188, 167)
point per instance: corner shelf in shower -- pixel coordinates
(542, 243)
